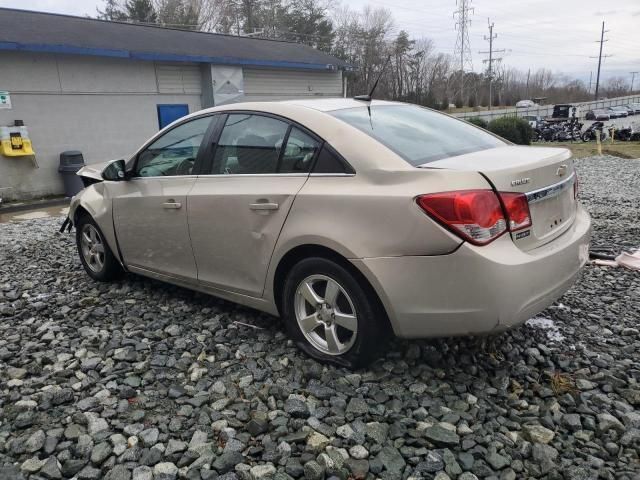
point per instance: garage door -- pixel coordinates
(264, 84)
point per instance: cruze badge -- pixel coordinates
(561, 170)
(520, 181)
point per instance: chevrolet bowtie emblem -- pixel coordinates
(561, 170)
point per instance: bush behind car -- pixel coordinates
(516, 130)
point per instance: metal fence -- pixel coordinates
(547, 110)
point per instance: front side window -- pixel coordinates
(249, 144)
(175, 152)
(417, 134)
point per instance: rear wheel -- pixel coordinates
(331, 315)
(96, 256)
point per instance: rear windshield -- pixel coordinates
(417, 134)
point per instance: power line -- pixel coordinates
(463, 46)
(491, 59)
(601, 41)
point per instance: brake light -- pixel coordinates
(516, 207)
(473, 215)
(477, 215)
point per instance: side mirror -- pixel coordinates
(115, 171)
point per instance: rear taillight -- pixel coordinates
(477, 215)
(516, 207)
(474, 215)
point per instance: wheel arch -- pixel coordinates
(308, 250)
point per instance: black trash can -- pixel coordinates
(70, 162)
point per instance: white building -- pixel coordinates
(104, 87)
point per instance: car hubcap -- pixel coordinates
(326, 315)
(92, 248)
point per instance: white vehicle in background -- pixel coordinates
(526, 104)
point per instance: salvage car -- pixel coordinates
(352, 220)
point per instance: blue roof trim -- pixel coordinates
(159, 57)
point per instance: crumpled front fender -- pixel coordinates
(96, 201)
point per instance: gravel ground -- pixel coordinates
(141, 380)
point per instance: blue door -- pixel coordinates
(170, 112)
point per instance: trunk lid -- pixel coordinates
(545, 175)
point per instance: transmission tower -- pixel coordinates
(463, 46)
(493, 59)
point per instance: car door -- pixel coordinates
(237, 210)
(150, 209)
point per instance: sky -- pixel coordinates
(560, 35)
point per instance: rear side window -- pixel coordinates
(329, 162)
(249, 144)
(299, 153)
(417, 134)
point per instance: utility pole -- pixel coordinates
(633, 77)
(528, 75)
(463, 46)
(599, 57)
(490, 60)
(590, 78)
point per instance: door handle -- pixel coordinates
(171, 204)
(264, 206)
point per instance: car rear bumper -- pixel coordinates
(477, 289)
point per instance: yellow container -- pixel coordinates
(15, 142)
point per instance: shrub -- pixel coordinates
(513, 129)
(459, 102)
(480, 122)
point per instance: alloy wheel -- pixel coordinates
(326, 315)
(92, 247)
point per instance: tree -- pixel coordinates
(180, 13)
(140, 11)
(112, 11)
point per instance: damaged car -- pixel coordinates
(352, 220)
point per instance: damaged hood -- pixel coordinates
(94, 171)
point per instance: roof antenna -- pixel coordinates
(368, 98)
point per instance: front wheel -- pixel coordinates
(96, 256)
(333, 316)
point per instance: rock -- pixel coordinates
(441, 436)
(537, 433)
(149, 437)
(296, 406)
(175, 446)
(607, 422)
(165, 471)
(544, 456)
(358, 452)
(263, 472)
(467, 476)
(16, 373)
(142, 473)
(391, 459)
(227, 461)
(357, 406)
(572, 421)
(377, 432)
(431, 464)
(51, 469)
(100, 453)
(35, 442)
(119, 472)
(497, 461)
(316, 442)
(95, 424)
(32, 465)
(313, 471)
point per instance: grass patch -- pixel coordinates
(590, 149)
(562, 383)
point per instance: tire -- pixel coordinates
(96, 256)
(586, 136)
(354, 341)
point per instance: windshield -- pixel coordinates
(417, 134)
